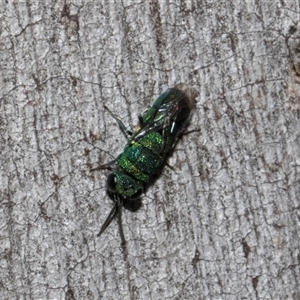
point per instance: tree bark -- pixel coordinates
(223, 222)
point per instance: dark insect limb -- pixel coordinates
(116, 210)
(125, 130)
(182, 134)
(140, 117)
(109, 218)
(190, 131)
(169, 166)
(120, 204)
(107, 166)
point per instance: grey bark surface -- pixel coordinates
(223, 223)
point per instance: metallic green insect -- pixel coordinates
(145, 152)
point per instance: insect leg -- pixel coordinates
(123, 128)
(190, 131)
(106, 166)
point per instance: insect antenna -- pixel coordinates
(109, 218)
(119, 205)
(116, 210)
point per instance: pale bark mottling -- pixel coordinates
(223, 223)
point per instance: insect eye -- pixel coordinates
(111, 183)
(136, 195)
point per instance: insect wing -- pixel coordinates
(169, 114)
(178, 115)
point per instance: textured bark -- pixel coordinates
(224, 224)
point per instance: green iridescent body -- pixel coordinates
(142, 158)
(147, 147)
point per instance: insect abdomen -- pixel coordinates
(141, 158)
